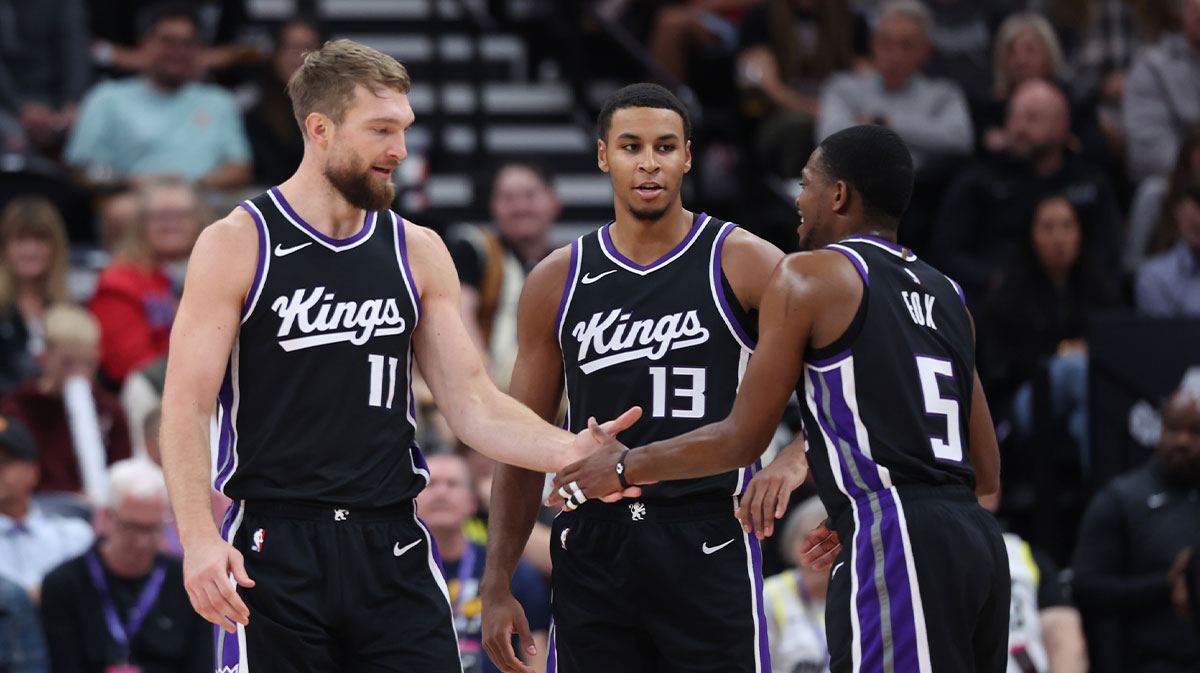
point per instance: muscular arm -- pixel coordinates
(985, 450)
(537, 381)
(479, 414)
(219, 275)
(785, 323)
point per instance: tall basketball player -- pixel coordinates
(656, 307)
(880, 347)
(303, 314)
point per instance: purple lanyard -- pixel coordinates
(818, 632)
(123, 632)
(466, 568)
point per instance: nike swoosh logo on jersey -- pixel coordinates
(281, 251)
(709, 550)
(399, 551)
(588, 278)
(835, 569)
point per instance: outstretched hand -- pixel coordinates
(588, 441)
(595, 477)
(820, 548)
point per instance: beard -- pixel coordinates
(650, 215)
(806, 241)
(358, 187)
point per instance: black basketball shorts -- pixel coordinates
(351, 591)
(921, 585)
(644, 586)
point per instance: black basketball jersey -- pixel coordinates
(669, 337)
(889, 402)
(316, 405)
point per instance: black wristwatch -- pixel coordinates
(620, 468)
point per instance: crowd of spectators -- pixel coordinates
(1057, 147)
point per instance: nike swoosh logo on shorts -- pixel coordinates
(399, 551)
(588, 278)
(281, 251)
(709, 550)
(835, 569)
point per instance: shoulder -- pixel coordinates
(748, 262)
(1158, 267)
(211, 93)
(742, 244)
(113, 90)
(63, 578)
(817, 268)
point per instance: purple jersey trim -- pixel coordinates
(263, 252)
(566, 293)
(855, 259)
(606, 241)
(402, 242)
(367, 228)
(719, 290)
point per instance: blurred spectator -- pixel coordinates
(1026, 49)
(122, 606)
(794, 601)
(1045, 632)
(986, 211)
(1131, 552)
(162, 121)
(138, 293)
(32, 542)
(23, 648)
(1168, 285)
(275, 139)
(72, 350)
(788, 48)
(1162, 97)
(931, 115)
(961, 32)
(1152, 226)
(1037, 317)
(492, 265)
(118, 214)
(445, 505)
(118, 24)
(537, 548)
(1099, 38)
(680, 27)
(140, 395)
(33, 275)
(44, 71)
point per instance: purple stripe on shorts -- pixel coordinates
(402, 241)
(868, 470)
(900, 595)
(433, 548)
(606, 241)
(551, 655)
(866, 601)
(764, 652)
(225, 447)
(719, 290)
(228, 654)
(368, 224)
(562, 302)
(256, 284)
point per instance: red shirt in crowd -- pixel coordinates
(46, 417)
(135, 307)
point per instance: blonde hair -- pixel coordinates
(1015, 25)
(135, 247)
(71, 324)
(34, 217)
(325, 83)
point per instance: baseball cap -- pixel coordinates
(16, 440)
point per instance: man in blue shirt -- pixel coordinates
(1168, 285)
(162, 121)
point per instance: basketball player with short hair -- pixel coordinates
(656, 308)
(303, 314)
(880, 348)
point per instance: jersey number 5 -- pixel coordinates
(694, 392)
(948, 448)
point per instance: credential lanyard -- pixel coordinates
(123, 632)
(466, 568)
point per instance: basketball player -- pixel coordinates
(880, 347)
(656, 307)
(304, 312)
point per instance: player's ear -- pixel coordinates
(318, 128)
(687, 153)
(602, 155)
(841, 196)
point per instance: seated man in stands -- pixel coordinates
(43, 404)
(121, 606)
(32, 542)
(1131, 557)
(163, 121)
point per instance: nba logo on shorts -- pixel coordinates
(257, 542)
